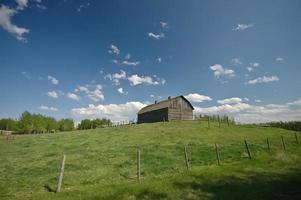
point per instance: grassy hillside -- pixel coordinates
(101, 163)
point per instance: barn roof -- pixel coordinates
(162, 104)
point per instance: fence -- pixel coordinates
(156, 159)
(4, 132)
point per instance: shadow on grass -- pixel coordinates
(49, 189)
(253, 186)
(143, 194)
(148, 194)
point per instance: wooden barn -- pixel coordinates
(171, 109)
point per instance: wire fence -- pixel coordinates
(139, 161)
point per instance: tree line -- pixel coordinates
(29, 123)
(293, 125)
(95, 123)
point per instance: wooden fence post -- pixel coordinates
(283, 144)
(59, 185)
(248, 150)
(268, 143)
(208, 122)
(228, 120)
(296, 137)
(138, 165)
(217, 154)
(219, 122)
(186, 157)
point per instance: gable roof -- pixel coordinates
(162, 104)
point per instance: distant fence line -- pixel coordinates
(207, 120)
(5, 132)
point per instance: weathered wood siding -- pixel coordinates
(172, 109)
(179, 109)
(154, 116)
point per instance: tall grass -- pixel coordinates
(101, 163)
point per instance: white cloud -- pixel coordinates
(115, 61)
(246, 99)
(159, 59)
(114, 49)
(6, 14)
(115, 112)
(121, 91)
(134, 79)
(147, 80)
(134, 63)
(53, 80)
(127, 56)
(220, 71)
(164, 24)
(73, 96)
(115, 78)
(279, 59)
(264, 79)
(242, 27)
(21, 4)
(53, 94)
(271, 112)
(236, 61)
(83, 88)
(93, 92)
(295, 103)
(257, 100)
(46, 108)
(254, 64)
(82, 6)
(250, 69)
(156, 36)
(233, 100)
(96, 94)
(26, 75)
(153, 96)
(195, 97)
(247, 113)
(222, 109)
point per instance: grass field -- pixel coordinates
(101, 163)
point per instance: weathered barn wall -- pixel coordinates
(154, 116)
(177, 108)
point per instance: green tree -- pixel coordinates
(85, 124)
(51, 125)
(8, 124)
(66, 125)
(25, 124)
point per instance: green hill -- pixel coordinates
(101, 163)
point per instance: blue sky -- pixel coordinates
(88, 58)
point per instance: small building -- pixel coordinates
(171, 109)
